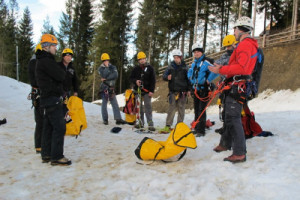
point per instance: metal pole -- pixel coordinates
(240, 8)
(196, 21)
(93, 95)
(254, 18)
(17, 63)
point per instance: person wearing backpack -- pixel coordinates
(237, 72)
(178, 83)
(109, 76)
(201, 80)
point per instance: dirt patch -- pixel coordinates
(281, 71)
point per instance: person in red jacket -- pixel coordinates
(237, 72)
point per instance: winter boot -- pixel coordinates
(166, 129)
(151, 128)
(235, 158)
(63, 161)
(46, 159)
(120, 121)
(219, 149)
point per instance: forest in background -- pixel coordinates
(91, 28)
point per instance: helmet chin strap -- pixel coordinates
(240, 35)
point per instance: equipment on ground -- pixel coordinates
(77, 114)
(178, 141)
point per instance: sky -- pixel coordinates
(39, 10)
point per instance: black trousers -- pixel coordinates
(53, 132)
(199, 106)
(38, 117)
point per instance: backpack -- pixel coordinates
(253, 85)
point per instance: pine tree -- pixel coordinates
(82, 33)
(8, 38)
(47, 27)
(25, 44)
(112, 35)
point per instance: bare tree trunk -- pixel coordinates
(222, 23)
(206, 23)
(182, 39)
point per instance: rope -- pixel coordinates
(220, 89)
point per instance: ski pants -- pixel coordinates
(38, 117)
(53, 132)
(146, 108)
(233, 135)
(176, 105)
(199, 106)
(114, 103)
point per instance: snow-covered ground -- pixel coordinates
(104, 164)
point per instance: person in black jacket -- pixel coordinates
(49, 78)
(143, 76)
(71, 80)
(35, 97)
(178, 83)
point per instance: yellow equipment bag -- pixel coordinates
(77, 114)
(178, 141)
(130, 108)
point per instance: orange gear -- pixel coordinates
(48, 38)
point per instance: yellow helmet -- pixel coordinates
(67, 51)
(38, 47)
(105, 56)
(229, 40)
(141, 55)
(48, 39)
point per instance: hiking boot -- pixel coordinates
(220, 130)
(219, 149)
(105, 122)
(166, 129)
(63, 161)
(200, 134)
(38, 150)
(151, 128)
(120, 121)
(139, 126)
(235, 158)
(46, 159)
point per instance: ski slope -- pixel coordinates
(104, 164)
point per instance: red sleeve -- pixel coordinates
(240, 62)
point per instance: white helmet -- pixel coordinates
(197, 46)
(244, 22)
(176, 52)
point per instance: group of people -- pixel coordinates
(52, 82)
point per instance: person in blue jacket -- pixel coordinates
(201, 80)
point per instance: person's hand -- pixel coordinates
(138, 83)
(103, 79)
(169, 77)
(75, 94)
(150, 94)
(215, 69)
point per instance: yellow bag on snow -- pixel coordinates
(77, 114)
(179, 140)
(130, 109)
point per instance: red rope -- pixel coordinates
(221, 88)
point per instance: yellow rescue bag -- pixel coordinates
(178, 141)
(130, 107)
(77, 114)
